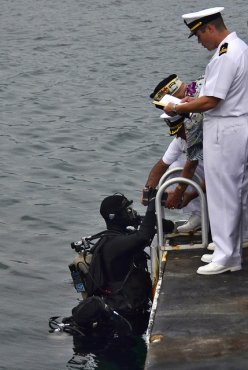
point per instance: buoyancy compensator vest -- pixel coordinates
(86, 269)
(128, 296)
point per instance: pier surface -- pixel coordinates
(201, 322)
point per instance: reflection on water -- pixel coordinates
(125, 354)
(103, 348)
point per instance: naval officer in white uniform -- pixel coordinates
(224, 101)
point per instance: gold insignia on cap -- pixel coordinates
(223, 49)
(161, 93)
(197, 19)
(174, 126)
(196, 26)
(174, 130)
(170, 88)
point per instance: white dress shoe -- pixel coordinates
(193, 224)
(211, 246)
(214, 268)
(207, 258)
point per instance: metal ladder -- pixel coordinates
(159, 248)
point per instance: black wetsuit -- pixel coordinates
(124, 263)
(128, 287)
(118, 252)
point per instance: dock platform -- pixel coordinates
(200, 322)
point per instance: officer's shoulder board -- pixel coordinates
(223, 49)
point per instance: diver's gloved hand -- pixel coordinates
(151, 205)
(147, 195)
(151, 202)
(168, 225)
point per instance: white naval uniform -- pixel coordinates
(175, 157)
(225, 148)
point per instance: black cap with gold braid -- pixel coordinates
(175, 124)
(170, 85)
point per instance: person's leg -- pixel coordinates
(224, 173)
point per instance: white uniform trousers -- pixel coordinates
(225, 153)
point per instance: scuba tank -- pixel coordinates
(82, 261)
(80, 264)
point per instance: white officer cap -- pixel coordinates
(195, 20)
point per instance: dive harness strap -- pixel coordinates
(59, 326)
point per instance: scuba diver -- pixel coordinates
(117, 287)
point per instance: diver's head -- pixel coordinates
(117, 211)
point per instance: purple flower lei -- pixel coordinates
(191, 89)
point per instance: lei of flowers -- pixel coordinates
(191, 89)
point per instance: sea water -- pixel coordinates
(77, 124)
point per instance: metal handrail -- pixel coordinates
(176, 169)
(173, 170)
(204, 217)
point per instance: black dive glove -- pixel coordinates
(149, 194)
(168, 225)
(151, 205)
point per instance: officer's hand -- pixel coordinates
(187, 198)
(169, 109)
(173, 201)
